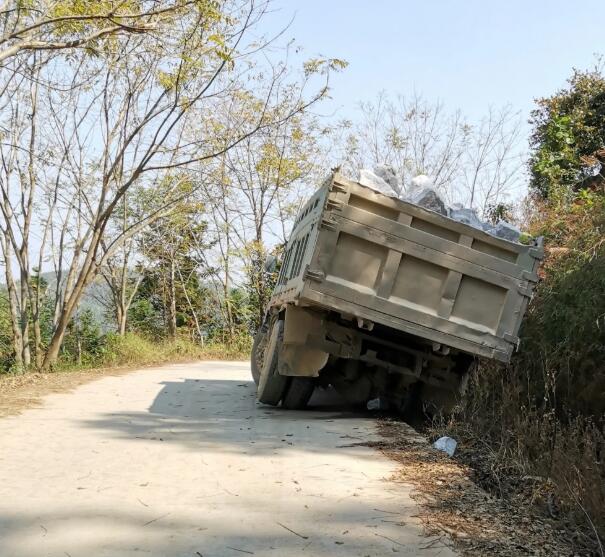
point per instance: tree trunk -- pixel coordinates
(15, 325)
(191, 308)
(121, 317)
(13, 303)
(122, 323)
(260, 270)
(38, 340)
(79, 350)
(52, 353)
(171, 303)
(24, 320)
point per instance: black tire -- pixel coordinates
(271, 385)
(258, 348)
(298, 393)
(411, 408)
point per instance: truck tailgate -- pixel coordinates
(415, 270)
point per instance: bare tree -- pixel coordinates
(265, 170)
(123, 279)
(472, 163)
(18, 191)
(493, 163)
(254, 190)
(121, 119)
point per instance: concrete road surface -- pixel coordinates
(182, 461)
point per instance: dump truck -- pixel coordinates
(386, 300)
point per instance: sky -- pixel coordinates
(469, 54)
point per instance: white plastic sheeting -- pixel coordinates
(370, 179)
(506, 231)
(389, 175)
(421, 191)
(467, 216)
(429, 199)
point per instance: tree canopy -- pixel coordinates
(568, 139)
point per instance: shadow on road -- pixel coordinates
(196, 467)
(177, 395)
(86, 533)
(224, 415)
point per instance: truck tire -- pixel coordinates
(272, 385)
(258, 349)
(298, 393)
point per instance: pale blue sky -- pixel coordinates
(468, 53)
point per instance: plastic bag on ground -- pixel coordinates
(377, 404)
(446, 444)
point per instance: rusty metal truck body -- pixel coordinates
(380, 297)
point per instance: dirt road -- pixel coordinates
(181, 461)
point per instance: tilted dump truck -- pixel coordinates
(381, 298)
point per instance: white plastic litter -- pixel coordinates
(370, 179)
(446, 444)
(377, 404)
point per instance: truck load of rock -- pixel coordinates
(384, 179)
(429, 199)
(370, 179)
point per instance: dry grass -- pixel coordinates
(454, 508)
(19, 392)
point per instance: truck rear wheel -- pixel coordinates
(271, 384)
(298, 393)
(258, 349)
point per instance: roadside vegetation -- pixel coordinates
(535, 431)
(148, 150)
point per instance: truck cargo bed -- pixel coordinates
(360, 253)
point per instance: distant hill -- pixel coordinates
(90, 301)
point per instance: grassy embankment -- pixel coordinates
(535, 430)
